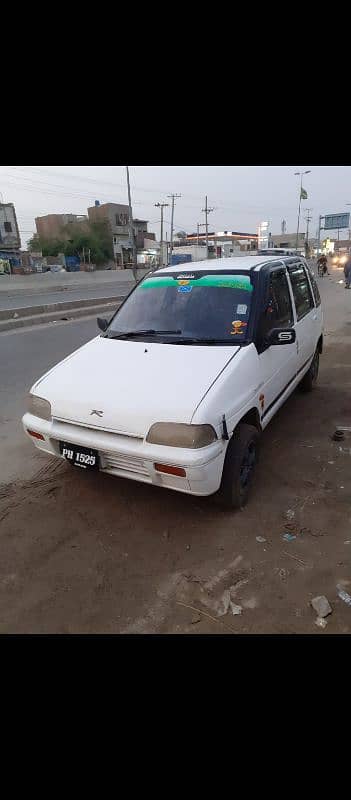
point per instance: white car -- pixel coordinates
(186, 375)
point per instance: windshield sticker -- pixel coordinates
(241, 310)
(238, 282)
(185, 289)
(238, 327)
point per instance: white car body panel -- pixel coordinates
(133, 384)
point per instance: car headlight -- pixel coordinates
(39, 407)
(175, 434)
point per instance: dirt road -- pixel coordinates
(81, 553)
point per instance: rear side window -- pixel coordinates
(301, 290)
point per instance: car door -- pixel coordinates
(306, 315)
(278, 363)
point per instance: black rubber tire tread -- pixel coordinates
(230, 494)
(308, 382)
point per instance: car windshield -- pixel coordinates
(194, 308)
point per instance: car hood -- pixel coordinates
(132, 384)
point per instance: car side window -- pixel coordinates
(301, 290)
(279, 313)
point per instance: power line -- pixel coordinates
(237, 206)
(39, 186)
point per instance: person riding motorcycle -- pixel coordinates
(322, 266)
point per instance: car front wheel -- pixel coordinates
(239, 467)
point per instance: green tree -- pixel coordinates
(74, 238)
(48, 247)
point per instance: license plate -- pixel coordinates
(82, 457)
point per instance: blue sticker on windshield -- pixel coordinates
(185, 289)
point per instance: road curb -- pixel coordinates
(62, 314)
(7, 314)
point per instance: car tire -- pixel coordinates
(239, 467)
(309, 380)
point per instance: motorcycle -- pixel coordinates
(322, 269)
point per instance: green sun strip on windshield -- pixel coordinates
(241, 282)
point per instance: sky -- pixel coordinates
(241, 197)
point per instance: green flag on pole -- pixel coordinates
(304, 195)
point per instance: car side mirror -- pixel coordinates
(102, 324)
(281, 336)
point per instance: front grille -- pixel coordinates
(124, 463)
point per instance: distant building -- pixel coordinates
(10, 240)
(50, 226)
(117, 216)
(224, 243)
(288, 241)
(141, 233)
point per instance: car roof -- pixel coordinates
(243, 263)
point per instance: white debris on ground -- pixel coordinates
(322, 606)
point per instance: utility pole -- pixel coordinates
(131, 230)
(172, 197)
(349, 204)
(199, 225)
(308, 220)
(207, 211)
(319, 234)
(161, 206)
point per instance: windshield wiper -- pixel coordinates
(198, 340)
(132, 334)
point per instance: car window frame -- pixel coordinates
(290, 269)
(313, 283)
(265, 274)
(283, 271)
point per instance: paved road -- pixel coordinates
(24, 357)
(26, 300)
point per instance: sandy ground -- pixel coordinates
(86, 553)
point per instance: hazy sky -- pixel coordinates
(241, 196)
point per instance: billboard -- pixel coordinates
(334, 221)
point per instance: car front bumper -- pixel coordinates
(133, 458)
